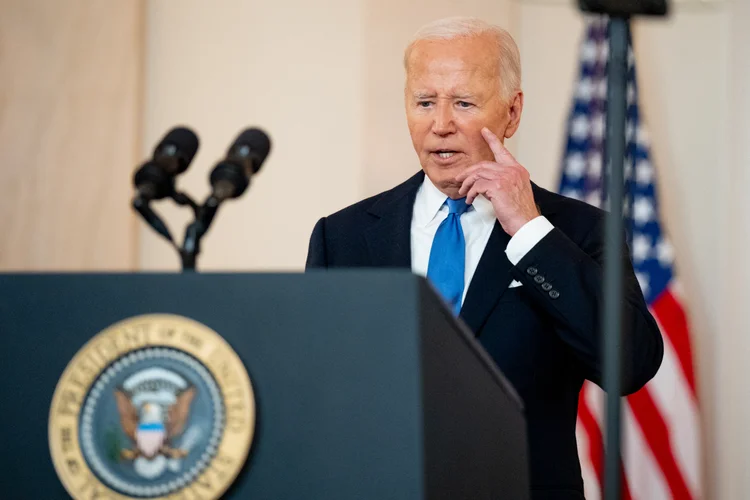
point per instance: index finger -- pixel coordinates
(495, 145)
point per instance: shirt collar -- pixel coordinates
(427, 203)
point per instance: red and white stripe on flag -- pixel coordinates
(661, 425)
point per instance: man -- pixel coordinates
(521, 266)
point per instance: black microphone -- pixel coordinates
(154, 180)
(231, 177)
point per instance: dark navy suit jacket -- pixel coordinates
(543, 335)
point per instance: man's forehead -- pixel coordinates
(448, 75)
(478, 53)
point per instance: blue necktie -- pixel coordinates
(448, 255)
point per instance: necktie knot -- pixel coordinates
(458, 206)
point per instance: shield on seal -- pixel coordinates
(149, 438)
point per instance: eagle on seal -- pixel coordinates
(152, 427)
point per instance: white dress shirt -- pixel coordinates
(477, 222)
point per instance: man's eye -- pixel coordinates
(424, 104)
(464, 104)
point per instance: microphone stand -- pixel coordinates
(613, 264)
(619, 12)
(229, 179)
(191, 246)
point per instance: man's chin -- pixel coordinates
(445, 178)
(447, 168)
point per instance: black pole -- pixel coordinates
(191, 246)
(613, 268)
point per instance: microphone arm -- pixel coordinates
(199, 227)
(142, 205)
(204, 216)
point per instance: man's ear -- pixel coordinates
(514, 112)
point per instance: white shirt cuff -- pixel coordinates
(527, 237)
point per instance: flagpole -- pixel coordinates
(613, 264)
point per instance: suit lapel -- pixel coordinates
(494, 272)
(389, 238)
(490, 281)
(389, 245)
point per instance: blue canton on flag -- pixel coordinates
(585, 157)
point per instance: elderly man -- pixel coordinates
(520, 265)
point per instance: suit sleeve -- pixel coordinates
(316, 252)
(567, 281)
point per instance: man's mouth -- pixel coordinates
(445, 153)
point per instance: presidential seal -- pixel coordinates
(156, 406)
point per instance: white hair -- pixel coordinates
(466, 27)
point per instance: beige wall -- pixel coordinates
(293, 67)
(69, 132)
(730, 363)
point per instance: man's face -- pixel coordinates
(452, 92)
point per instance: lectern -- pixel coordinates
(363, 386)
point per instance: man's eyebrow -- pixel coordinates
(419, 94)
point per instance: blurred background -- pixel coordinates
(88, 87)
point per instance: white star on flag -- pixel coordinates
(630, 94)
(665, 252)
(572, 193)
(603, 53)
(629, 130)
(585, 89)
(595, 165)
(575, 165)
(597, 126)
(642, 138)
(593, 198)
(641, 248)
(643, 210)
(627, 167)
(601, 90)
(588, 53)
(579, 129)
(643, 281)
(644, 172)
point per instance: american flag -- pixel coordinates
(661, 422)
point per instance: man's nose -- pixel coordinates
(444, 123)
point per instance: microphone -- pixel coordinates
(231, 177)
(154, 180)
